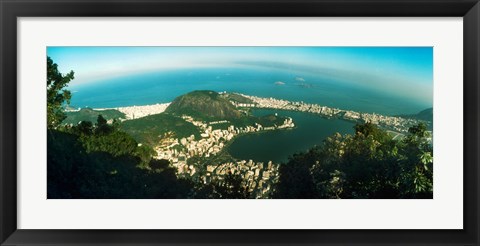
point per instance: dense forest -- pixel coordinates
(96, 159)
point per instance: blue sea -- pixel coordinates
(164, 86)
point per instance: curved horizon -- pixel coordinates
(398, 71)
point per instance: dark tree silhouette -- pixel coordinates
(56, 94)
(369, 164)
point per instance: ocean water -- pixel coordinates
(164, 86)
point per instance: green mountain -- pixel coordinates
(426, 115)
(205, 105)
(152, 128)
(88, 114)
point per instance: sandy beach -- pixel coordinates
(135, 112)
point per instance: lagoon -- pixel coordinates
(278, 145)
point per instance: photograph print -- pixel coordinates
(239, 122)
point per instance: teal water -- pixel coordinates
(159, 87)
(278, 145)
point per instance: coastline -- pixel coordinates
(394, 123)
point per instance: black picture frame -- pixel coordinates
(10, 10)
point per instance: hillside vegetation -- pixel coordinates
(151, 129)
(98, 161)
(237, 98)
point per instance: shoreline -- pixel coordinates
(395, 123)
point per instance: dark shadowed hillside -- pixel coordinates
(426, 115)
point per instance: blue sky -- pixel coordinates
(395, 69)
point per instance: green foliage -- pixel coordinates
(103, 137)
(56, 94)
(369, 164)
(145, 153)
(296, 181)
(84, 128)
(417, 165)
(418, 131)
(102, 128)
(116, 143)
(367, 129)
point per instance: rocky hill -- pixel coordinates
(204, 105)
